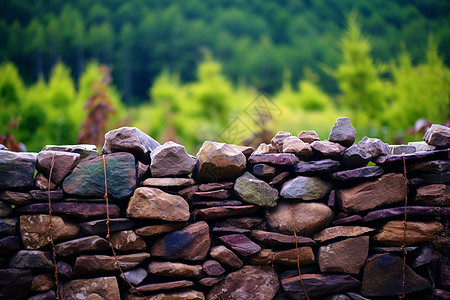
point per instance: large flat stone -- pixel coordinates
(323, 166)
(93, 264)
(35, 232)
(95, 289)
(153, 287)
(383, 276)
(250, 282)
(282, 159)
(152, 230)
(284, 257)
(152, 203)
(434, 194)
(17, 169)
(412, 158)
(88, 178)
(226, 211)
(388, 189)
(359, 173)
(240, 243)
(16, 198)
(331, 233)
(255, 191)
(410, 210)
(84, 244)
(168, 182)
(76, 209)
(99, 226)
(278, 239)
(190, 243)
(174, 269)
(87, 152)
(131, 140)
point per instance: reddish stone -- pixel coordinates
(240, 243)
(63, 163)
(217, 194)
(213, 268)
(287, 159)
(152, 287)
(224, 212)
(278, 239)
(152, 230)
(85, 244)
(77, 209)
(226, 256)
(284, 257)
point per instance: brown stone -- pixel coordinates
(391, 234)
(5, 209)
(171, 159)
(308, 136)
(63, 163)
(278, 239)
(168, 182)
(224, 212)
(190, 243)
(278, 140)
(434, 194)
(328, 149)
(246, 150)
(89, 264)
(310, 217)
(31, 259)
(264, 171)
(264, 148)
(218, 162)
(16, 198)
(226, 256)
(35, 232)
(77, 209)
(152, 230)
(73, 247)
(388, 189)
(42, 283)
(216, 194)
(240, 243)
(142, 171)
(214, 203)
(284, 257)
(438, 135)
(244, 222)
(340, 231)
(152, 203)
(172, 269)
(300, 148)
(127, 240)
(152, 287)
(280, 178)
(40, 195)
(250, 282)
(347, 256)
(213, 268)
(101, 288)
(182, 295)
(8, 226)
(210, 281)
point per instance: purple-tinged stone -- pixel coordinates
(443, 178)
(328, 149)
(88, 178)
(99, 226)
(240, 243)
(364, 172)
(383, 277)
(413, 157)
(323, 166)
(400, 149)
(16, 198)
(308, 136)
(135, 276)
(210, 281)
(317, 285)
(410, 210)
(65, 270)
(278, 140)
(43, 195)
(244, 222)
(217, 203)
(77, 209)
(91, 264)
(206, 187)
(8, 225)
(171, 159)
(263, 170)
(279, 239)
(279, 179)
(213, 268)
(84, 244)
(9, 244)
(283, 159)
(332, 199)
(17, 169)
(354, 296)
(426, 255)
(354, 157)
(348, 220)
(438, 135)
(63, 163)
(343, 132)
(142, 171)
(331, 233)
(415, 181)
(48, 295)
(432, 166)
(15, 283)
(168, 182)
(230, 229)
(217, 194)
(393, 249)
(131, 140)
(439, 294)
(224, 212)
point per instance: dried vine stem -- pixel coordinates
(50, 225)
(298, 254)
(405, 213)
(108, 236)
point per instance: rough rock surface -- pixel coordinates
(374, 147)
(171, 159)
(127, 240)
(190, 243)
(171, 269)
(218, 162)
(347, 256)
(305, 188)
(135, 276)
(308, 136)
(264, 148)
(15, 283)
(359, 173)
(264, 170)
(281, 159)
(284, 257)
(132, 140)
(35, 233)
(383, 277)
(255, 191)
(391, 234)
(63, 163)
(16, 198)
(99, 226)
(152, 287)
(328, 149)
(250, 282)
(309, 217)
(278, 239)
(323, 166)
(77, 209)
(84, 244)
(95, 289)
(278, 140)
(300, 148)
(152, 230)
(434, 194)
(343, 132)
(42, 283)
(168, 182)
(213, 268)
(438, 135)
(240, 243)
(152, 203)
(226, 256)
(17, 169)
(87, 152)
(93, 264)
(388, 189)
(226, 211)
(354, 157)
(31, 259)
(88, 178)
(341, 231)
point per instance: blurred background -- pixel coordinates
(187, 70)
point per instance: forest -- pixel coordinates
(190, 70)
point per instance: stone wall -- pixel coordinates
(230, 223)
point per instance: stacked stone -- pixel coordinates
(231, 222)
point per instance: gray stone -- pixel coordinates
(308, 136)
(328, 149)
(323, 166)
(422, 146)
(171, 159)
(375, 147)
(264, 170)
(63, 163)
(17, 169)
(438, 135)
(131, 140)
(343, 132)
(305, 188)
(135, 276)
(278, 139)
(354, 157)
(8, 226)
(300, 148)
(31, 259)
(253, 190)
(400, 149)
(87, 152)
(359, 173)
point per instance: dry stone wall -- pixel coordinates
(231, 222)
